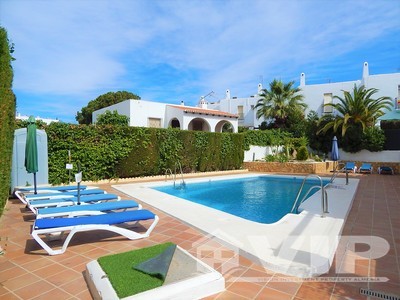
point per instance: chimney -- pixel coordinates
(228, 94)
(182, 103)
(203, 102)
(302, 79)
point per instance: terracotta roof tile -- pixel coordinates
(203, 111)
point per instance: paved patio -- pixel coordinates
(27, 272)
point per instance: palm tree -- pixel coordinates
(279, 102)
(357, 109)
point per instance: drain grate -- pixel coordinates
(380, 295)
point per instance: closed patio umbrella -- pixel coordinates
(335, 150)
(31, 151)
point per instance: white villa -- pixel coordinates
(162, 115)
(236, 111)
(45, 120)
(315, 95)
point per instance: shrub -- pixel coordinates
(109, 151)
(112, 118)
(373, 139)
(302, 153)
(7, 116)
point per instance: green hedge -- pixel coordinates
(7, 117)
(109, 151)
(106, 152)
(272, 137)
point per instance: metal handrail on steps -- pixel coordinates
(324, 194)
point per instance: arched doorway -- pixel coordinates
(224, 126)
(199, 124)
(174, 123)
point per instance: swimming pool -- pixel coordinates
(263, 199)
(301, 244)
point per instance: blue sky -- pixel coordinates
(70, 52)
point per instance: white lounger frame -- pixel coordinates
(22, 195)
(130, 234)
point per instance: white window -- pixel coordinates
(327, 100)
(240, 112)
(154, 122)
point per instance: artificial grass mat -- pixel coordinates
(125, 280)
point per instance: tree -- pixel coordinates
(358, 108)
(321, 142)
(280, 101)
(110, 98)
(7, 115)
(112, 118)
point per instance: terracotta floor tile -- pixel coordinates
(245, 289)
(284, 286)
(75, 286)
(84, 295)
(272, 294)
(50, 270)
(228, 295)
(309, 292)
(11, 273)
(3, 290)
(62, 277)
(35, 289)
(5, 264)
(17, 282)
(53, 294)
(349, 290)
(374, 211)
(9, 296)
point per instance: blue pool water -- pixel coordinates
(263, 199)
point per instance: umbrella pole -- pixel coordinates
(34, 183)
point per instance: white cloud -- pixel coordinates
(182, 49)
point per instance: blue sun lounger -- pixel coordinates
(36, 204)
(350, 166)
(29, 197)
(109, 221)
(365, 168)
(385, 170)
(86, 209)
(61, 188)
(24, 194)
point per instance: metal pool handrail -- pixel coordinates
(324, 195)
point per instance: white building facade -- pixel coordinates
(315, 96)
(143, 113)
(243, 107)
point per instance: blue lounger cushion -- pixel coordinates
(55, 188)
(350, 166)
(36, 204)
(85, 198)
(106, 219)
(100, 207)
(110, 221)
(365, 167)
(60, 195)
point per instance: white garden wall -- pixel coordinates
(367, 156)
(259, 153)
